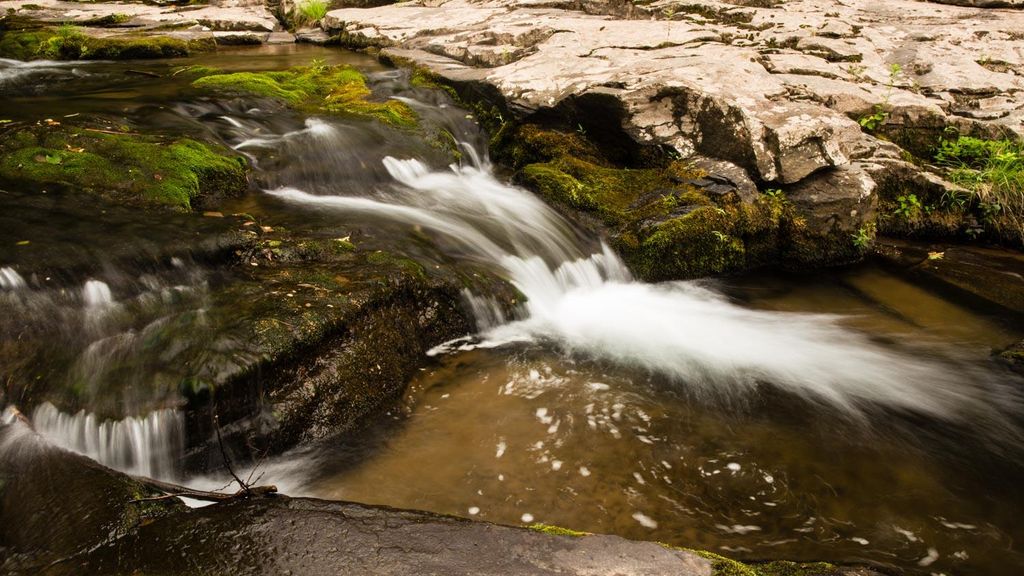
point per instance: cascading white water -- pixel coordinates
(12, 71)
(97, 294)
(10, 279)
(588, 303)
(147, 446)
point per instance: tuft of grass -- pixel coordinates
(309, 12)
(993, 170)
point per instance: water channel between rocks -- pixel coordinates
(851, 416)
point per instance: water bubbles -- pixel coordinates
(738, 528)
(473, 510)
(733, 467)
(502, 446)
(645, 520)
(526, 518)
(584, 471)
(929, 558)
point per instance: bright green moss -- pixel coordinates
(701, 242)
(315, 88)
(125, 167)
(614, 194)
(556, 530)
(519, 145)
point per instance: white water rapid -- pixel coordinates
(587, 303)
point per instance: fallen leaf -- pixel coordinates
(936, 255)
(213, 214)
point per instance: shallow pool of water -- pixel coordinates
(523, 434)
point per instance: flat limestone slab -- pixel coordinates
(229, 15)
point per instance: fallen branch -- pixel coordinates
(174, 491)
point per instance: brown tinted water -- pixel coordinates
(524, 434)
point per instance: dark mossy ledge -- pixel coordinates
(108, 160)
(108, 530)
(330, 346)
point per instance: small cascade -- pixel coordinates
(145, 446)
(585, 301)
(97, 294)
(10, 279)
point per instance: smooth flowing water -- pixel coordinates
(851, 417)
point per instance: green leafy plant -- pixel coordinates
(864, 237)
(907, 206)
(880, 112)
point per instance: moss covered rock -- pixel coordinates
(71, 43)
(127, 167)
(317, 89)
(674, 220)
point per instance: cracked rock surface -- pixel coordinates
(775, 88)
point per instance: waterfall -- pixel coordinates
(146, 446)
(586, 302)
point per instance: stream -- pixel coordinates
(852, 416)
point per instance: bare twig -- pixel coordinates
(224, 455)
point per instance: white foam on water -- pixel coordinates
(589, 304)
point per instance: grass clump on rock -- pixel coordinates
(993, 170)
(317, 88)
(309, 12)
(131, 168)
